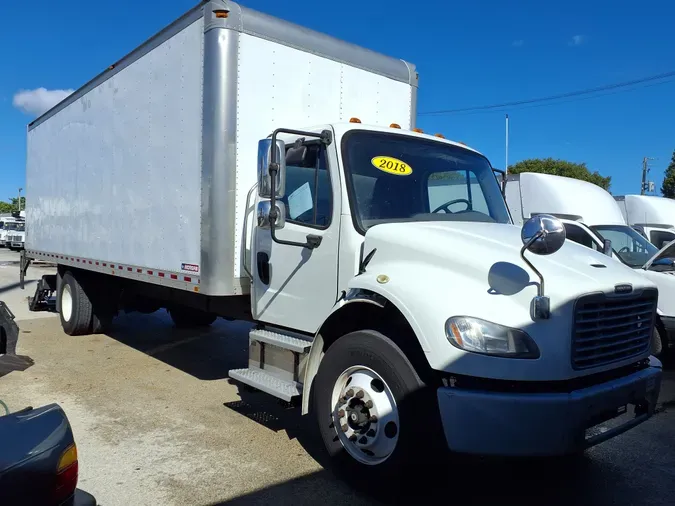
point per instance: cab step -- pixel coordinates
(265, 382)
(275, 363)
(284, 341)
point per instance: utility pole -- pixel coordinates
(19, 201)
(506, 154)
(646, 185)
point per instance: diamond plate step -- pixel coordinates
(257, 378)
(281, 340)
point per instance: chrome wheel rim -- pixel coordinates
(365, 415)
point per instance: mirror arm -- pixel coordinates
(313, 240)
(540, 289)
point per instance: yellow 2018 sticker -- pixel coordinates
(391, 165)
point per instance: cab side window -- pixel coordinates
(577, 234)
(309, 195)
(660, 239)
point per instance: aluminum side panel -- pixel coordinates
(116, 175)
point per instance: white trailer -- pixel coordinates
(186, 177)
(653, 217)
(593, 218)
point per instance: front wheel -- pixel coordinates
(377, 418)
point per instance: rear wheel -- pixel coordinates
(377, 418)
(75, 306)
(187, 317)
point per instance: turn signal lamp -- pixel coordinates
(221, 13)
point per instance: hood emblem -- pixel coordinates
(623, 289)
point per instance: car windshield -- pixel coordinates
(633, 249)
(396, 178)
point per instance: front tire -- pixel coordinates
(656, 345)
(377, 418)
(75, 308)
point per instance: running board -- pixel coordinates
(259, 379)
(275, 363)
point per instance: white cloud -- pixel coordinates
(38, 100)
(518, 43)
(577, 40)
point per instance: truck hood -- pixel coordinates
(474, 249)
(668, 251)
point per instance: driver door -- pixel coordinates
(292, 286)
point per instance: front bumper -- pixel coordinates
(534, 424)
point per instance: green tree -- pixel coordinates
(561, 168)
(668, 185)
(12, 205)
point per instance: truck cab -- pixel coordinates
(15, 234)
(412, 258)
(591, 217)
(653, 217)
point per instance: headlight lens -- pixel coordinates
(480, 336)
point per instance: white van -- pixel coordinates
(592, 217)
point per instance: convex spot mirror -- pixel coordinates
(263, 213)
(264, 159)
(549, 232)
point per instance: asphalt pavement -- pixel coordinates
(157, 422)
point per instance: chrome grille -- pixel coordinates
(609, 329)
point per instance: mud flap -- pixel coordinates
(24, 262)
(9, 336)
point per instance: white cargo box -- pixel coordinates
(144, 171)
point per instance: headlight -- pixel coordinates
(480, 336)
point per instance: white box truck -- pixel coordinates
(220, 170)
(593, 218)
(13, 231)
(653, 217)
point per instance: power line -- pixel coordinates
(553, 97)
(569, 100)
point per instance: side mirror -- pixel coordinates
(264, 158)
(263, 213)
(543, 234)
(607, 247)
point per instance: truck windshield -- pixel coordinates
(395, 178)
(15, 226)
(633, 249)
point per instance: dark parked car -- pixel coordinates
(38, 459)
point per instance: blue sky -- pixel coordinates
(467, 54)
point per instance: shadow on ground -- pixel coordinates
(635, 468)
(476, 483)
(207, 353)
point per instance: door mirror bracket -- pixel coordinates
(272, 177)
